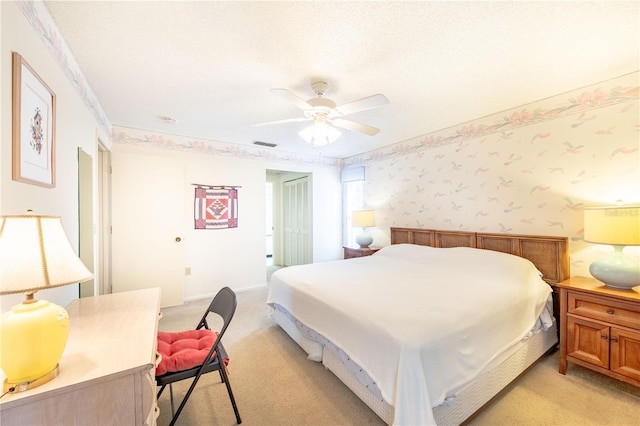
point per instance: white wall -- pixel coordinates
(235, 257)
(226, 257)
(75, 127)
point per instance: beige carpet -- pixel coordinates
(274, 384)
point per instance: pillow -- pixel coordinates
(184, 350)
(503, 266)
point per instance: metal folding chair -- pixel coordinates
(223, 304)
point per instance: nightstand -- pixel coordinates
(600, 328)
(350, 252)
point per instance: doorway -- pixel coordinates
(269, 222)
(272, 223)
(85, 219)
(288, 219)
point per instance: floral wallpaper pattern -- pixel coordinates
(576, 103)
(530, 170)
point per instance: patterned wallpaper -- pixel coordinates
(42, 23)
(530, 170)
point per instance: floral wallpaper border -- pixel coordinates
(42, 23)
(577, 102)
(138, 137)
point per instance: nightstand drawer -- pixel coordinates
(611, 311)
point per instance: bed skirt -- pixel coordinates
(466, 401)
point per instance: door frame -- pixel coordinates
(104, 220)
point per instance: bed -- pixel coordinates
(428, 329)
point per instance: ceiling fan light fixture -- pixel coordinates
(320, 134)
(326, 115)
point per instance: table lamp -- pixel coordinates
(35, 254)
(618, 226)
(363, 219)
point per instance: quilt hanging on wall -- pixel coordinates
(216, 207)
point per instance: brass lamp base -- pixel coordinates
(24, 386)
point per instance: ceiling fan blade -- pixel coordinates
(355, 126)
(363, 104)
(286, 120)
(287, 95)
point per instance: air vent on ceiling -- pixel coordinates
(267, 144)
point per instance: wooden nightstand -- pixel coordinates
(350, 252)
(600, 328)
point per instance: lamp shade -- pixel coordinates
(35, 254)
(619, 227)
(363, 218)
(612, 225)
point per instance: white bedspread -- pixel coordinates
(421, 321)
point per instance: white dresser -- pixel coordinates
(107, 371)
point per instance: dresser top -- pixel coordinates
(108, 335)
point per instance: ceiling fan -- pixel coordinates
(326, 115)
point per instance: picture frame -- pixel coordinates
(33, 126)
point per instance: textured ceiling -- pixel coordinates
(210, 65)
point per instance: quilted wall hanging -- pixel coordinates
(216, 207)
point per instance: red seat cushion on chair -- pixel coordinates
(183, 350)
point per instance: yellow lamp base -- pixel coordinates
(25, 386)
(33, 335)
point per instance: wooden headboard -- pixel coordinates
(549, 254)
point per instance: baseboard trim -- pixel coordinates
(211, 295)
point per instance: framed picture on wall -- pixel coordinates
(34, 119)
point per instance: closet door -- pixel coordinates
(148, 225)
(297, 222)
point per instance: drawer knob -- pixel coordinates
(614, 339)
(605, 337)
(610, 311)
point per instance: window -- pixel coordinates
(352, 200)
